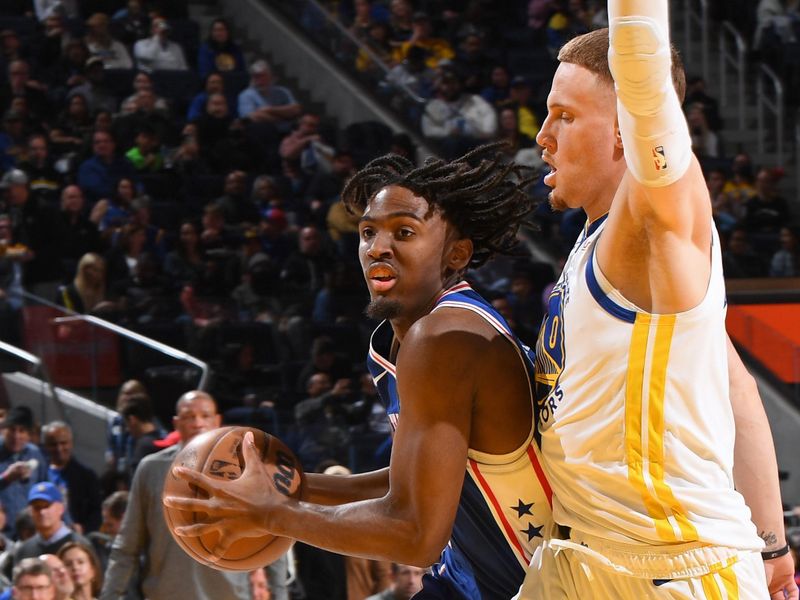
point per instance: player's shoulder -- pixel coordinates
(461, 331)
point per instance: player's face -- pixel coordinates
(402, 253)
(579, 140)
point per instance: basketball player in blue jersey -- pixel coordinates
(639, 388)
(464, 486)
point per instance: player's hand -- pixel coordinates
(780, 578)
(235, 508)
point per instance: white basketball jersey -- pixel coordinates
(636, 423)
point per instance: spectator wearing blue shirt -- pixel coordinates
(21, 463)
(214, 84)
(219, 52)
(98, 175)
(263, 102)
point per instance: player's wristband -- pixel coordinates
(775, 553)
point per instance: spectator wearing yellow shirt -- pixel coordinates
(519, 98)
(422, 37)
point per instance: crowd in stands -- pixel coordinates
(166, 183)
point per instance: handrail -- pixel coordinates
(39, 366)
(738, 61)
(332, 20)
(145, 341)
(692, 17)
(127, 333)
(774, 105)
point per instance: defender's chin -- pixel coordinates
(381, 308)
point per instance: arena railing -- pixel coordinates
(39, 369)
(695, 20)
(733, 54)
(92, 356)
(768, 81)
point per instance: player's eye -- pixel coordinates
(367, 233)
(405, 232)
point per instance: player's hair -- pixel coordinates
(590, 51)
(482, 194)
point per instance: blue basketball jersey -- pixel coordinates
(505, 503)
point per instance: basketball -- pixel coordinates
(218, 454)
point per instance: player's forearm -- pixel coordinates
(336, 489)
(376, 529)
(755, 470)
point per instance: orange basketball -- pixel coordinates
(218, 453)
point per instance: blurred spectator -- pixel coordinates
(73, 127)
(214, 84)
(721, 205)
(146, 156)
(123, 258)
(499, 86)
(47, 8)
(705, 143)
(765, 212)
(406, 581)
(379, 43)
(101, 43)
(304, 271)
(520, 98)
(437, 49)
(49, 45)
(321, 424)
(143, 83)
(264, 102)
(510, 133)
(473, 62)
(84, 569)
(62, 581)
(774, 25)
(236, 206)
(77, 483)
(187, 160)
(131, 22)
(68, 71)
(255, 296)
(158, 53)
(259, 585)
(738, 259)
(186, 263)
(22, 465)
(98, 175)
(110, 214)
(325, 187)
(10, 49)
(78, 234)
(47, 508)
(411, 73)
(32, 574)
(120, 442)
(219, 52)
(456, 120)
(12, 139)
(45, 181)
(87, 292)
(145, 114)
(362, 19)
(696, 94)
(740, 187)
(112, 511)
(343, 298)
(786, 261)
(567, 21)
(401, 21)
(94, 88)
(12, 261)
(305, 144)
(140, 422)
(20, 84)
(167, 572)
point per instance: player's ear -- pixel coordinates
(617, 135)
(460, 254)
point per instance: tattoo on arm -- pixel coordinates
(769, 537)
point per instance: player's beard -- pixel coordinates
(383, 308)
(556, 203)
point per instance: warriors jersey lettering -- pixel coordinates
(634, 413)
(505, 503)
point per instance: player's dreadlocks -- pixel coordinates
(486, 202)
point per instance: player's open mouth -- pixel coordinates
(382, 277)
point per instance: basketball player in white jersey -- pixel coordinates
(632, 361)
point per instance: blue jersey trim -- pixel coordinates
(606, 303)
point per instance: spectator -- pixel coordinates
(141, 424)
(456, 120)
(236, 207)
(68, 71)
(412, 73)
(159, 53)
(186, 263)
(437, 49)
(520, 98)
(214, 84)
(84, 569)
(12, 139)
(696, 94)
(325, 187)
(61, 578)
(219, 52)
(102, 44)
(35, 225)
(47, 8)
(145, 115)
(766, 212)
(143, 83)
(94, 88)
(786, 261)
(10, 49)
(264, 102)
(259, 585)
(740, 187)
(20, 84)
(38, 165)
(22, 465)
(721, 205)
(497, 92)
(78, 234)
(705, 143)
(98, 175)
(131, 22)
(401, 21)
(125, 256)
(305, 144)
(33, 579)
(110, 214)
(76, 482)
(379, 43)
(146, 155)
(362, 19)
(86, 293)
(120, 442)
(304, 270)
(113, 510)
(738, 259)
(47, 509)
(168, 572)
(406, 581)
(473, 61)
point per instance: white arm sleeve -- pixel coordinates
(658, 148)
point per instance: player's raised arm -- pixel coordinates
(658, 149)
